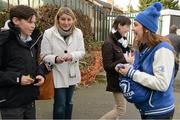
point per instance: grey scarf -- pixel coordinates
(65, 33)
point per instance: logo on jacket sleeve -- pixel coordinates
(161, 68)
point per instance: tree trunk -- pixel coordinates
(39, 3)
(28, 2)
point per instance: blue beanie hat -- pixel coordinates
(149, 17)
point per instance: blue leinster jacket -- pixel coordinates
(157, 73)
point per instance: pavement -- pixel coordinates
(93, 102)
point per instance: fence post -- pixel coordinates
(106, 24)
(103, 31)
(94, 12)
(97, 24)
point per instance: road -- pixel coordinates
(92, 102)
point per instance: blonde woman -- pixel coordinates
(63, 46)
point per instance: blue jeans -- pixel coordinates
(63, 103)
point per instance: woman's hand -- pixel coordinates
(67, 57)
(59, 59)
(124, 70)
(129, 57)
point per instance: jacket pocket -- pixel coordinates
(72, 69)
(19, 95)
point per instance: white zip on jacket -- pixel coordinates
(53, 44)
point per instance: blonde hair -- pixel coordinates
(67, 11)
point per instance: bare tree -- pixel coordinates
(39, 3)
(28, 2)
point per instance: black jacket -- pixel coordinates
(175, 39)
(17, 59)
(112, 53)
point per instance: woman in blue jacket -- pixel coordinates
(156, 71)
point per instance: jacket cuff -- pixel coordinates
(43, 69)
(18, 79)
(55, 61)
(131, 72)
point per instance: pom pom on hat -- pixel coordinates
(158, 6)
(149, 17)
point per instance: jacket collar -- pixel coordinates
(14, 29)
(60, 37)
(36, 35)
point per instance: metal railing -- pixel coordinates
(101, 19)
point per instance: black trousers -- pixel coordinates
(24, 112)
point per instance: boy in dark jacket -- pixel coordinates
(20, 74)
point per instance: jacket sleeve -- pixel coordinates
(46, 49)
(43, 70)
(108, 57)
(9, 78)
(163, 66)
(80, 51)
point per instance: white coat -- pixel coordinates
(53, 44)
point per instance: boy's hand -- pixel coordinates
(26, 80)
(39, 80)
